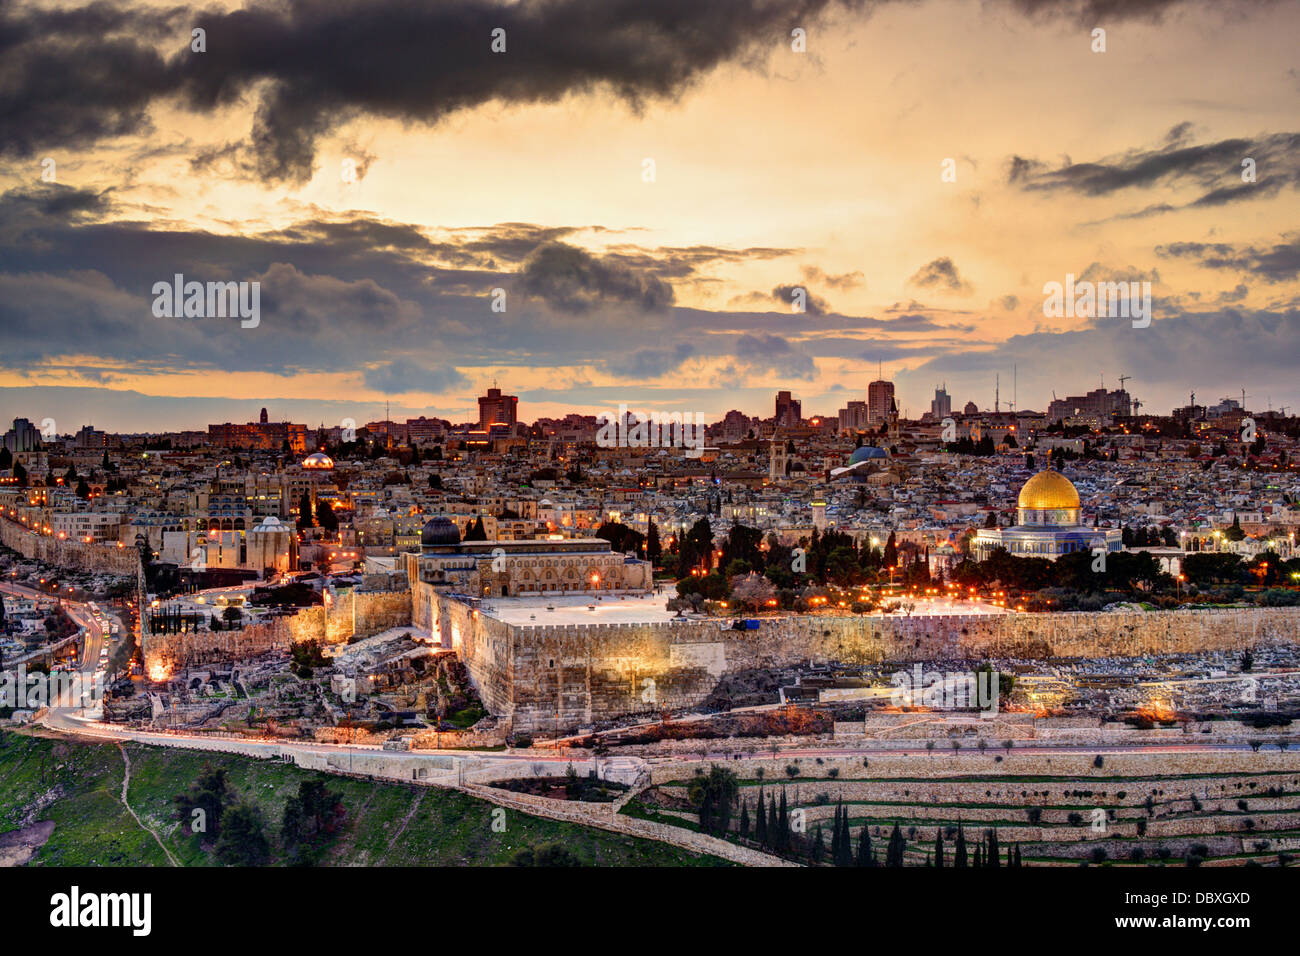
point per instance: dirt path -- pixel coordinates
(126, 783)
(405, 821)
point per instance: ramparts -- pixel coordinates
(545, 678)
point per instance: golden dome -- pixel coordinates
(1048, 490)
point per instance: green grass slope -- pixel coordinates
(77, 786)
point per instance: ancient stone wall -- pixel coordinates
(352, 614)
(68, 554)
(549, 677)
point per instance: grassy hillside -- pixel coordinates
(77, 786)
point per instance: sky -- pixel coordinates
(623, 204)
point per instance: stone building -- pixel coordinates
(500, 568)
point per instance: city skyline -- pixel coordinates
(899, 190)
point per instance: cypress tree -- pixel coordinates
(744, 818)
(994, 858)
(783, 825)
(845, 855)
(959, 855)
(897, 846)
(818, 847)
(864, 849)
(760, 831)
(979, 860)
(1018, 863)
(938, 846)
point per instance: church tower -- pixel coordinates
(778, 461)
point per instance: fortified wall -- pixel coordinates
(349, 614)
(546, 677)
(66, 553)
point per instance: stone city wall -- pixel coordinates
(548, 677)
(352, 614)
(483, 643)
(104, 558)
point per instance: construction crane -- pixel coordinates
(1123, 379)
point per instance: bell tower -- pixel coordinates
(778, 461)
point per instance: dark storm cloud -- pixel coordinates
(1279, 263)
(77, 75)
(351, 294)
(1103, 12)
(573, 280)
(1215, 168)
(70, 77)
(93, 72)
(942, 276)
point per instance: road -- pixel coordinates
(95, 638)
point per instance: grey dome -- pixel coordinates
(439, 530)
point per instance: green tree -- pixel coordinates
(713, 794)
(897, 847)
(653, 549)
(243, 837)
(208, 794)
(325, 517)
(864, 857)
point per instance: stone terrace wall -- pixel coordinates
(68, 554)
(1075, 766)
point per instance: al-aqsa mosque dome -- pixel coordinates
(1048, 523)
(439, 531)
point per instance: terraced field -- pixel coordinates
(1223, 819)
